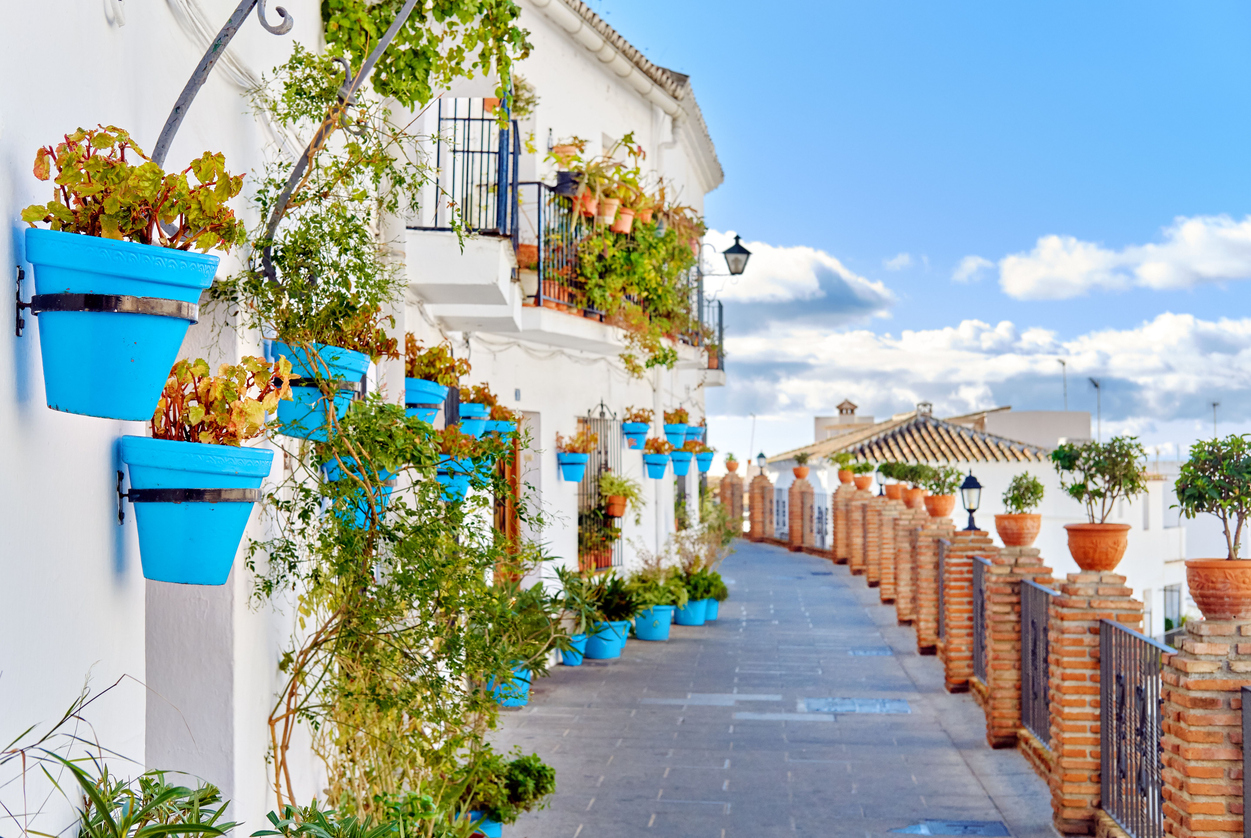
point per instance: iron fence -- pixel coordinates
(781, 526)
(979, 617)
(943, 544)
(1130, 732)
(1035, 670)
(594, 526)
(820, 520)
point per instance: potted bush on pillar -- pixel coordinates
(863, 475)
(572, 454)
(1217, 480)
(942, 481)
(656, 457)
(801, 465)
(890, 471)
(428, 374)
(192, 482)
(1097, 475)
(116, 286)
(635, 426)
(844, 462)
(1020, 525)
(731, 463)
(918, 475)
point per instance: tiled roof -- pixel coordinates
(920, 438)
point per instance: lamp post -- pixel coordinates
(881, 483)
(971, 497)
(761, 459)
(736, 257)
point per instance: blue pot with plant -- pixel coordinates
(572, 465)
(307, 416)
(473, 418)
(653, 623)
(681, 462)
(704, 460)
(359, 502)
(454, 474)
(573, 656)
(115, 284)
(429, 374)
(711, 609)
(500, 426)
(694, 613)
(515, 692)
(675, 432)
(657, 465)
(695, 433)
(606, 640)
(423, 398)
(485, 825)
(635, 433)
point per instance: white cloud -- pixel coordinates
(898, 262)
(970, 267)
(1202, 249)
(781, 274)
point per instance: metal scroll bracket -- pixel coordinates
(215, 51)
(181, 496)
(19, 322)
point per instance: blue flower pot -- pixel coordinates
(514, 692)
(656, 465)
(635, 434)
(573, 657)
(423, 398)
(676, 434)
(572, 466)
(360, 503)
(454, 475)
(607, 641)
(681, 462)
(653, 624)
(704, 460)
(307, 416)
(106, 364)
(500, 426)
(191, 543)
(473, 419)
(712, 607)
(695, 433)
(489, 828)
(694, 614)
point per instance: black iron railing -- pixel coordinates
(979, 617)
(605, 458)
(781, 522)
(1035, 671)
(820, 519)
(1129, 729)
(943, 544)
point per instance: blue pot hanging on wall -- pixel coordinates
(676, 434)
(112, 316)
(454, 475)
(656, 465)
(704, 460)
(359, 503)
(423, 398)
(192, 502)
(695, 433)
(500, 426)
(572, 466)
(635, 433)
(307, 416)
(681, 462)
(473, 419)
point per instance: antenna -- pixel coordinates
(1215, 405)
(1064, 371)
(1098, 409)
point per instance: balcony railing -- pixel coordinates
(1035, 673)
(979, 618)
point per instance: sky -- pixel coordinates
(946, 199)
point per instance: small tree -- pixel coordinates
(1097, 474)
(943, 480)
(1024, 494)
(801, 459)
(1217, 479)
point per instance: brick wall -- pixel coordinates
(1003, 639)
(761, 508)
(840, 503)
(873, 540)
(956, 647)
(799, 515)
(856, 507)
(731, 491)
(926, 575)
(1073, 659)
(907, 526)
(889, 547)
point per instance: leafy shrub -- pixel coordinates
(638, 414)
(504, 789)
(802, 458)
(655, 445)
(1097, 474)
(435, 364)
(677, 416)
(1024, 494)
(226, 409)
(583, 442)
(1217, 479)
(943, 480)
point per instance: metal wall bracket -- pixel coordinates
(182, 496)
(114, 304)
(333, 384)
(20, 323)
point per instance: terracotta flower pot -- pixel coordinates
(1098, 546)
(489, 104)
(1221, 588)
(800, 472)
(624, 222)
(608, 210)
(845, 476)
(714, 362)
(645, 216)
(895, 491)
(615, 506)
(731, 465)
(527, 255)
(863, 481)
(564, 151)
(940, 506)
(914, 498)
(586, 204)
(1018, 530)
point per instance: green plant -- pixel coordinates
(677, 416)
(1097, 474)
(1217, 479)
(842, 459)
(701, 584)
(943, 480)
(889, 470)
(99, 193)
(579, 600)
(611, 484)
(655, 445)
(313, 822)
(435, 364)
(719, 590)
(226, 409)
(638, 414)
(658, 587)
(583, 442)
(862, 468)
(479, 394)
(1024, 494)
(802, 458)
(503, 789)
(615, 599)
(694, 446)
(730, 458)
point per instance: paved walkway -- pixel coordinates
(804, 710)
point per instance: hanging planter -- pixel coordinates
(635, 433)
(676, 434)
(192, 504)
(359, 502)
(625, 221)
(695, 433)
(653, 623)
(572, 454)
(454, 474)
(572, 466)
(473, 419)
(586, 204)
(607, 210)
(681, 462)
(423, 398)
(656, 464)
(307, 416)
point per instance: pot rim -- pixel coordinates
(1200, 563)
(1021, 515)
(1099, 527)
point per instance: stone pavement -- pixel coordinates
(804, 710)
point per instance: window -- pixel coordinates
(1172, 613)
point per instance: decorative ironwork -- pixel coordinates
(943, 544)
(1035, 670)
(781, 523)
(821, 518)
(979, 617)
(1130, 729)
(606, 457)
(170, 495)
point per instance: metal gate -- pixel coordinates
(606, 457)
(1035, 672)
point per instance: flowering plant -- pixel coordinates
(226, 409)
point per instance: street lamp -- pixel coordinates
(971, 497)
(761, 459)
(881, 483)
(736, 257)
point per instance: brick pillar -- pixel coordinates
(856, 509)
(799, 500)
(889, 513)
(842, 527)
(873, 540)
(956, 646)
(907, 525)
(1202, 721)
(732, 497)
(1073, 660)
(761, 508)
(1003, 639)
(926, 555)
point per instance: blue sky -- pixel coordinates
(962, 130)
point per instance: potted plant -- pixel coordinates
(700, 587)
(1019, 526)
(731, 463)
(801, 465)
(889, 470)
(843, 460)
(942, 482)
(121, 229)
(498, 791)
(572, 454)
(475, 410)
(454, 470)
(703, 456)
(635, 427)
(1097, 475)
(428, 375)
(720, 593)
(580, 613)
(656, 457)
(617, 603)
(697, 432)
(618, 492)
(863, 475)
(682, 457)
(675, 426)
(192, 482)
(916, 474)
(1216, 479)
(657, 593)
